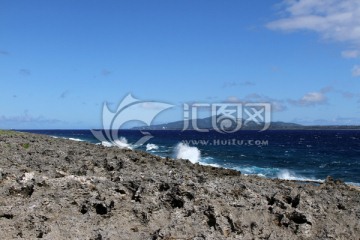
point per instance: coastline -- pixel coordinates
(202, 149)
(62, 189)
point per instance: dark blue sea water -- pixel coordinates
(296, 155)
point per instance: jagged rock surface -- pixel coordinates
(60, 189)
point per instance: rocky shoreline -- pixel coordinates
(61, 189)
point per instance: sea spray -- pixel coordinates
(121, 143)
(184, 151)
(151, 146)
(290, 175)
(106, 144)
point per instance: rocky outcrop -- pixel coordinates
(61, 189)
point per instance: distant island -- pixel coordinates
(206, 123)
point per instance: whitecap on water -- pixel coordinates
(151, 146)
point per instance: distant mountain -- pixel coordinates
(206, 123)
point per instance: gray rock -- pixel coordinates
(61, 189)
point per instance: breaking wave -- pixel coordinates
(290, 175)
(151, 146)
(184, 151)
(121, 143)
(76, 139)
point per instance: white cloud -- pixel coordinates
(350, 54)
(337, 20)
(310, 99)
(313, 97)
(356, 71)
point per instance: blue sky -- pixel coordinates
(61, 60)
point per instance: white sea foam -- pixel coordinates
(151, 146)
(353, 184)
(121, 143)
(289, 175)
(106, 144)
(76, 139)
(184, 151)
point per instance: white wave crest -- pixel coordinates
(121, 143)
(76, 139)
(151, 146)
(289, 175)
(184, 151)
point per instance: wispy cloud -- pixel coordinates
(233, 99)
(151, 106)
(356, 71)
(335, 20)
(277, 105)
(64, 94)
(311, 99)
(350, 54)
(347, 94)
(5, 53)
(229, 84)
(211, 97)
(334, 121)
(105, 72)
(236, 84)
(25, 72)
(26, 117)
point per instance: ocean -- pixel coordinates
(302, 155)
